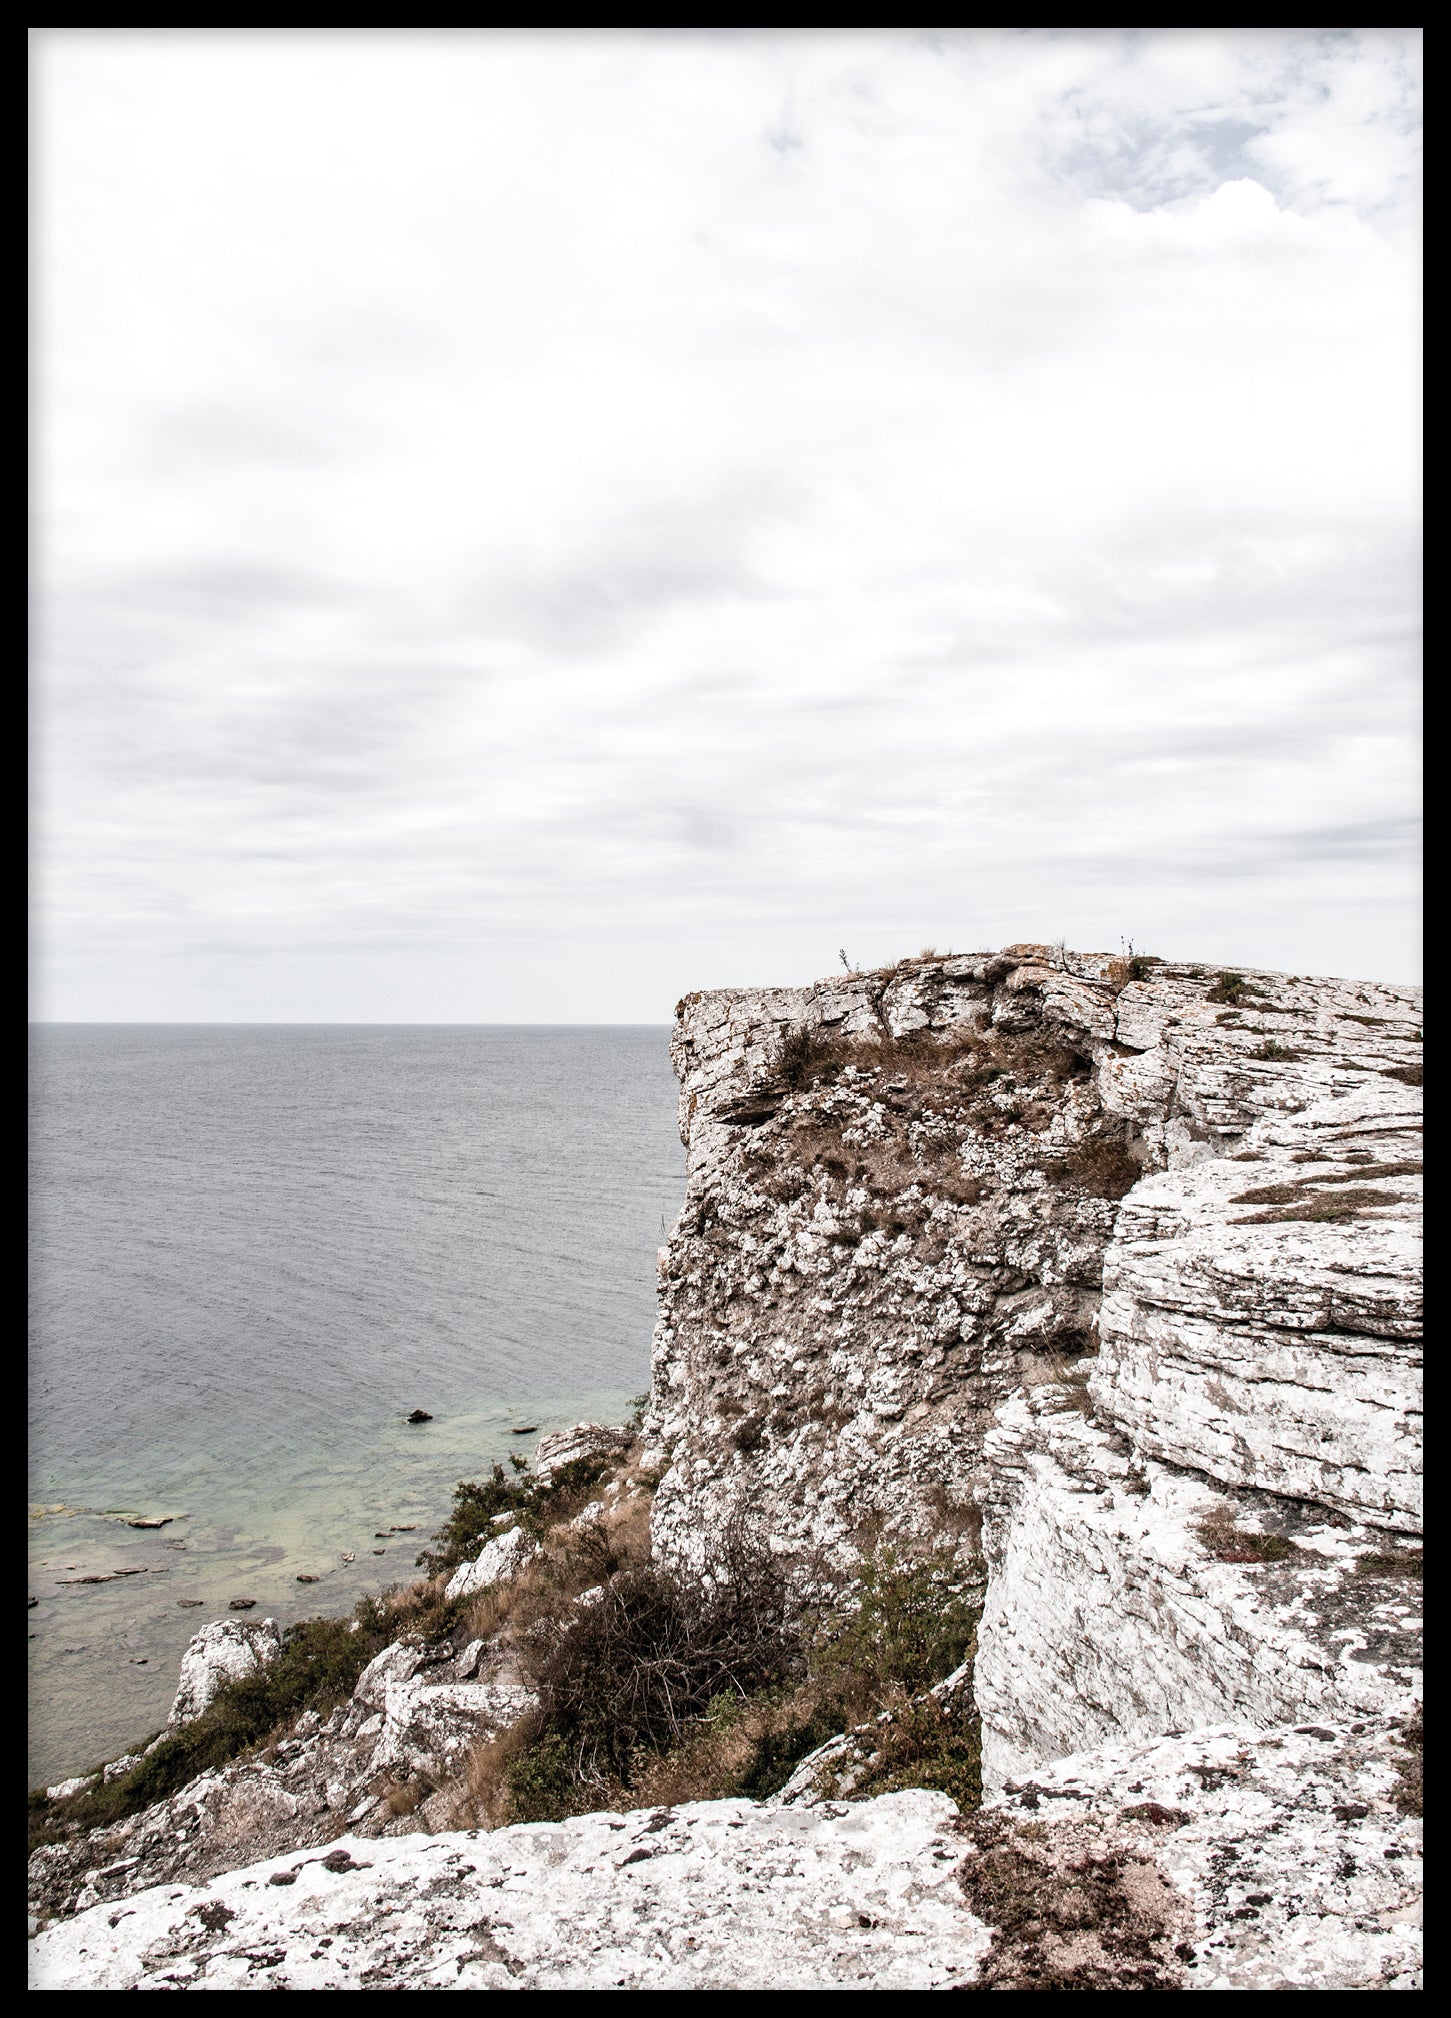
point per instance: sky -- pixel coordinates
(533, 522)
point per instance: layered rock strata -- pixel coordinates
(1262, 1312)
(901, 1189)
(1127, 1598)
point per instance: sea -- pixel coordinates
(254, 1251)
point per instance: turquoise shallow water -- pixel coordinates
(253, 1251)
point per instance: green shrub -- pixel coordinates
(477, 1505)
(927, 1744)
(913, 1624)
(1233, 989)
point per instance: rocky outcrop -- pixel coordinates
(715, 1895)
(223, 1651)
(583, 1439)
(1230, 1859)
(1105, 1275)
(901, 1192)
(369, 1767)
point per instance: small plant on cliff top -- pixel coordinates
(1233, 989)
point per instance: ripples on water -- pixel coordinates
(253, 1251)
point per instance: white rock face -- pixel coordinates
(1109, 1615)
(714, 1895)
(77, 1785)
(872, 1259)
(1279, 1352)
(497, 1561)
(433, 1726)
(223, 1651)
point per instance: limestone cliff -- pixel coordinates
(901, 1192)
(1103, 1274)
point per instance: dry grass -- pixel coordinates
(1233, 1544)
(669, 1688)
(1233, 989)
(1401, 1563)
(1101, 1167)
(1347, 1204)
(400, 1797)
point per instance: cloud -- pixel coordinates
(533, 523)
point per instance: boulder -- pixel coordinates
(432, 1727)
(583, 1439)
(223, 1651)
(497, 1561)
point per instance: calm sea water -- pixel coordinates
(254, 1249)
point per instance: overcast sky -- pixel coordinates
(535, 522)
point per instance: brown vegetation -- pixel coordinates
(1071, 1908)
(1406, 1792)
(666, 1686)
(1233, 1544)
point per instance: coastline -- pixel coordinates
(102, 1658)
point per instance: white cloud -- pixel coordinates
(534, 522)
